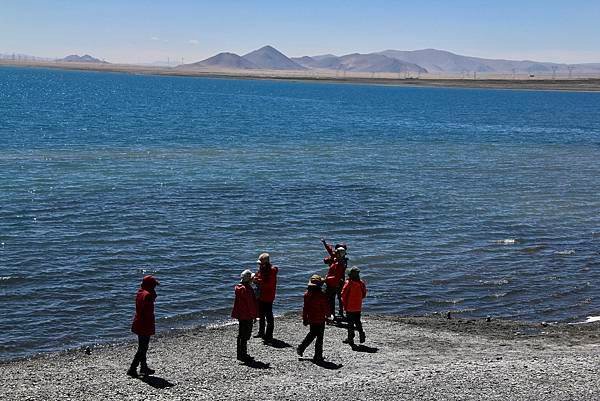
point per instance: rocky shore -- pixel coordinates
(403, 358)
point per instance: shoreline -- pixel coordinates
(591, 85)
(404, 357)
(434, 319)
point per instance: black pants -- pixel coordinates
(265, 313)
(140, 355)
(331, 293)
(244, 334)
(339, 297)
(316, 331)
(354, 322)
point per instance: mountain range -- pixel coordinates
(412, 62)
(388, 61)
(265, 58)
(86, 58)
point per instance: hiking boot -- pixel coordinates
(146, 371)
(318, 358)
(349, 341)
(299, 351)
(362, 337)
(132, 372)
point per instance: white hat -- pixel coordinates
(263, 256)
(246, 276)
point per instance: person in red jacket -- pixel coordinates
(335, 275)
(314, 313)
(353, 293)
(143, 324)
(266, 280)
(245, 311)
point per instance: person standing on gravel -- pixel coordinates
(266, 280)
(245, 311)
(335, 276)
(353, 293)
(314, 313)
(143, 324)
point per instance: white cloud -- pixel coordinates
(193, 42)
(158, 39)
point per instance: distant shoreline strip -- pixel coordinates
(567, 85)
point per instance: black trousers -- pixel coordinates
(265, 313)
(316, 331)
(244, 334)
(339, 297)
(140, 355)
(354, 322)
(331, 295)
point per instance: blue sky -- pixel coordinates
(147, 31)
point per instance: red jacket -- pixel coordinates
(143, 321)
(267, 284)
(352, 295)
(244, 305)
(316, 307)
(335, 274)
(331, 252)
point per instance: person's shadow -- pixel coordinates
(156, 382)
(323, 364)
(275, 343)
(254, 364)
(364, 348)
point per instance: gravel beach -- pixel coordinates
(403, 358)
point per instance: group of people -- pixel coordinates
(254, 297)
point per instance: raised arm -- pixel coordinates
(328, 248)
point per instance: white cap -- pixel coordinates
(263, 256)
(246, 276)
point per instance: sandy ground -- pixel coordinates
(403, 358)
(588, 84)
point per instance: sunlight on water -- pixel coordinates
(479, 202)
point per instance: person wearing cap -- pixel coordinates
(143, 324)
(266, 281)
(314, 313)
(245, 311)
(331, 249)
(353, 293)
(336, 275)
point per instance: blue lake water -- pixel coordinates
(482, 202)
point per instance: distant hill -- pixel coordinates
(75, 58)
(389, 61)
(227, 61)
(268, 57)
(441, 61)
(327, 62)
(359, 63)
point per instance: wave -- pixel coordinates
(566, 252)
(494, 282)
(533, 249)
(507, 241)
(7, 280)
(592, 319)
